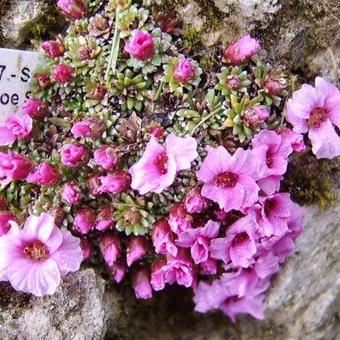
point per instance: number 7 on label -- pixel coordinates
(2, 70)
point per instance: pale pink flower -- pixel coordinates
(118, 270)
(91, 127)
(63, 73)
(84, 221)
(53, 48)
(114, 183)
(106, 157)
(255, 116)
(104, 219)
(317, 111)
(137, 249)
(184, 71)
(16, 127)
(157, 168)
(294, 138)
(141, 283)
(141, 45)
(244, 48)
(229, 180)
(194, 201)
(163, 238)
(110, 248)
(71, 193)
(74, 155)
(179, 219)
(34, 258)
(5, 218)
(35, 108)
(73, 9)
(45, 174)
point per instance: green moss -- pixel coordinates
(191, 38)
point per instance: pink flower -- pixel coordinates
(239, 245)
(141, 283)
(141, 45)
(157, 168)
(118, 270)
(13, 167)
(58, 213)
(255, 116)
(179, 219)
(198, 240)
(244, 48)
(157, 274)
(110, 248)
(45, 174)
(74, 155)
(194, 201)
(84, 221)
(34, 258)
(137, 249)
(274, 85)
(35, 108)
(93, 185)
(316, 111)
(53, 48)
(114, 183)
(104, 219)
(5, 218)
(209, 267)
(73, 9)
(229, 180)
(63, 73)
(16, 127)
(163, 238)
(184, 71)
(92, 128)
(43, 80)
(106, 157)
(295, 139)
(71, 193)
(87, 248)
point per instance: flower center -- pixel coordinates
(226, 180)
(161, 163)
(269, 160)
(36, 251)
(317, 117)
(239, 239)
(268, 206)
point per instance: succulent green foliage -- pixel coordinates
(133, 215)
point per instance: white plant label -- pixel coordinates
(16, 71)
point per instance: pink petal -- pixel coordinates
(267, 265)
(210, 230)
(200, 250)
(325, 87)
(219, 249)
(270, 185)
(6, 136)
(251, 191)
(333, 107)
(187, 238)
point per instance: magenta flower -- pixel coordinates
(34, 258)
(141, 45)
(209, 267)
(45, 174)
(74, 155)
(194, 201)
(71, 193)
(13, 167)
(93, 185)
(87, 249)
(53, 48)
(73, 9)
(5, 218)
(35, 108)
(110, 248)
(229, 180)
(198, 240)
(244, 48)
(91, 127)
(316, 111)
(114, 183)
(184, 71)
(104, 219)
(163, 238)
(63, 73)
(179, 219)
(255, 116)
(141, 283)
(106, 157)
(158, 275)
(16, 127)
(157, 168)
(239, 245)
(84, 221)
(137, 249)
(118, 270)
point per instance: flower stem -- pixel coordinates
(203, 120)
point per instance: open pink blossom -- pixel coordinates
(179, 218)
(71, 193)
(141, 283)
(136, 250)
(194, 201)
(114, 183)
(229, 180)
(163, 238)
(244, 48)
(53, 48)
(15, 127)
(91, 127)
(184, 71)
(73, 9)
(74, 155)
(5, 218)
(141, 45)
(157, 168)
(106, 157)
(45, 174)
(239, 244)
(316, 110)
(158, 274)
(34, 258)
(198, 240)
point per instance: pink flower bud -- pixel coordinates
(137, 249)
(110, 248)
(43, 80)
(274, 85)
(106, 157)
(45, 174)
(84, 221)
(84, 53)
(141, 283)
(5, 218)
(158, 274)
(53, 48)
(63, 73)
(114, 183)
(184, 71)
(233, 82)
(74, 155)
(163, 238)
(141, 45)
(104, 220)
(91, 127)
(57, 213)
(255, 116)
(179, 218)
(35, 108)
(93, 184)
(14, 166)
(87, 248)
(118, 270)
(98, 93)
(157, 132)
(71, 193)
(244, 48)
(73, 9)
(194, 201)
